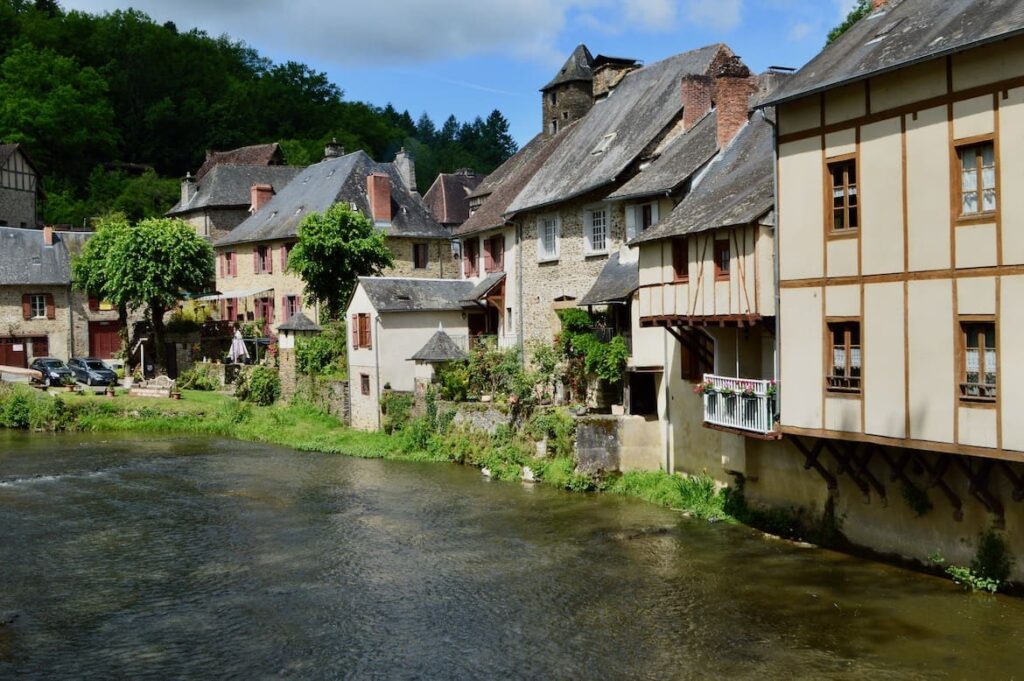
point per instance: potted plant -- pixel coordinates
(70, 384)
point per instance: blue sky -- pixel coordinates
(469, 57)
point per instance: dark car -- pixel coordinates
(92, 371)
(54, 371)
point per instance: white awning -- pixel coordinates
(234, 295)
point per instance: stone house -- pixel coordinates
(228, 186)
(390, 321)
(20, 188)
(252, 281)
(40, 314)
(448, 198)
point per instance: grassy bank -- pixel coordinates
(305, 428)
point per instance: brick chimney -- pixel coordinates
(333, 150)
(259, 195)
(406, 167)
(697, 91)
(378, 189)
(878, 4)
(733, 87)
(47, 235)
(189, 186)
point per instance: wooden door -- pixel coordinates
(13, 352)
(104, 339)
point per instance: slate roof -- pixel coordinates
(335, 180)
(737, 189)
(25, 261)
(299, 322)
(230, 186)
(448, 197)
(615, 284)
(640, 108)
(680, 159)
(578, 67)
(401, 294)
(504, 184)
(484, 286)
(904, 33)
(440, 348)
(254, 155)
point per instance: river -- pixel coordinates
(134, 558)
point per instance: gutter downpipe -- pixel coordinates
(519, 291)
(376, 361)
(776, 269)
(71, 325)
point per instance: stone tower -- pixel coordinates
(570, 94)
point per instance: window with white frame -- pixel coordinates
(640, 217)
(595, 233)
(547, 247)
(37, 303)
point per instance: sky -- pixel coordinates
(469, 57)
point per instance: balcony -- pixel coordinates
(739, 404)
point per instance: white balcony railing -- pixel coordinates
(499, 341)
(739, 403)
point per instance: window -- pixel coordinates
(844, 195)
(723, 258)
(494, 254)
(696, 356)
(362, 337)
(978, 361)
(291, 307)
(844, 337)
(286, 251)
(364, 384)
(977, 179)
(639, 218)
(229, 266)
(595, 236)
(553, 98)
(420, 256)
(554, 126)
(265, 306)
(548, 247)
(471, 257)
(263, 264)
(680, 259)
(230, 309)
(37, 305)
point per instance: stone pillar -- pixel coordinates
(288, 372)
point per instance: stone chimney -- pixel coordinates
(259, 195)
(47, 235)
(333, 149)
(697, 92)
(406, 166)
(378, 189)
(733, 87)
(189, 186)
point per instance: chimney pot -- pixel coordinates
(260, 195)
(406, 167)
(188, 188)
(47, 235)
(378, 189)
(878, 4)
(333, 149)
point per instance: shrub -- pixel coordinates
(323, 354)
(261, 386)
(16, 410)
(396, 408)
(558, 427)
(993, 560)
(453, 380)
(199, 377)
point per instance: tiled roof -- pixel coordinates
(335, 180)
(230, 186)
(904, 32)
(616, 130)
(440, 348)
(299, 322)
(448, 197)
(401, 294)
(24, 260)
(255, 155)
(578, 67)
(614, 284)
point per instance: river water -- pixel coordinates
(198, 558)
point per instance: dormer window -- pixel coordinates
(603, 145)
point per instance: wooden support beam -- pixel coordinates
(843, 460)
(811, 461)
(977, 484)
(935, 474)
(863, 465)
(1016, 480)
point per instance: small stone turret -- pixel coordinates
(570, 94)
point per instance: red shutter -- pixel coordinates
(355, 332)
(369, 332)
(284, 257)
(223, 310)
(220, 259)
(26, 306)
(51, 313)
(680, 259)
(465, 259)
(284, 308)
(270, 259)
(94, 304)
(499, 254)
(488, 257)
(256, 260)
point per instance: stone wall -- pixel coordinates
(440, 263)
(17, 208)
(607, 444)
(572, 102)
(216, 222)
(332, 397)
(484, 416)
(67, 332)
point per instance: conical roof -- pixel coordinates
(440, 348)
(579, 66)
(299, 322)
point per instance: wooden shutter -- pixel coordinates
(51, 313)
(26, 306)
(355, 331)
(220, 259)
(488, 256)
(369, 332)
(680, 259)
(465, 259)
(284, 308)
(630, 222)
(270, 259)
(256, 260)
(223, 310)
(284, 257)
(499, 253)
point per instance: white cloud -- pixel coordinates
(723, 15)
(800, 30)
(651, 14)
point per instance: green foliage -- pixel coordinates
(199, 377)
(697, 495)
(260, 386)
(561, 472)
(396, 408)
(916, 499)
(971, 580)
(587, 357)
(334, 249)
(324, 354)
(557, 426)
(575, 320)
(547, 362)
(993, 560)
(16, 411)
(453, 379)
(21, 408)
(859, 11)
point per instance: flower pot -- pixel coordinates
(618, 410)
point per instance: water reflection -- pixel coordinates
(209, 558)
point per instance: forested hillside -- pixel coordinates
(98, 100)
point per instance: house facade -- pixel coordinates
(252, 278)
(41, 315)
(448, 197)
(20, 189)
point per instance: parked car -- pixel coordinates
(92, 371)
(53, 370)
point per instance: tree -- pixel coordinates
(859, 11)
(89, 266)
(149, 266)
(335, 248)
